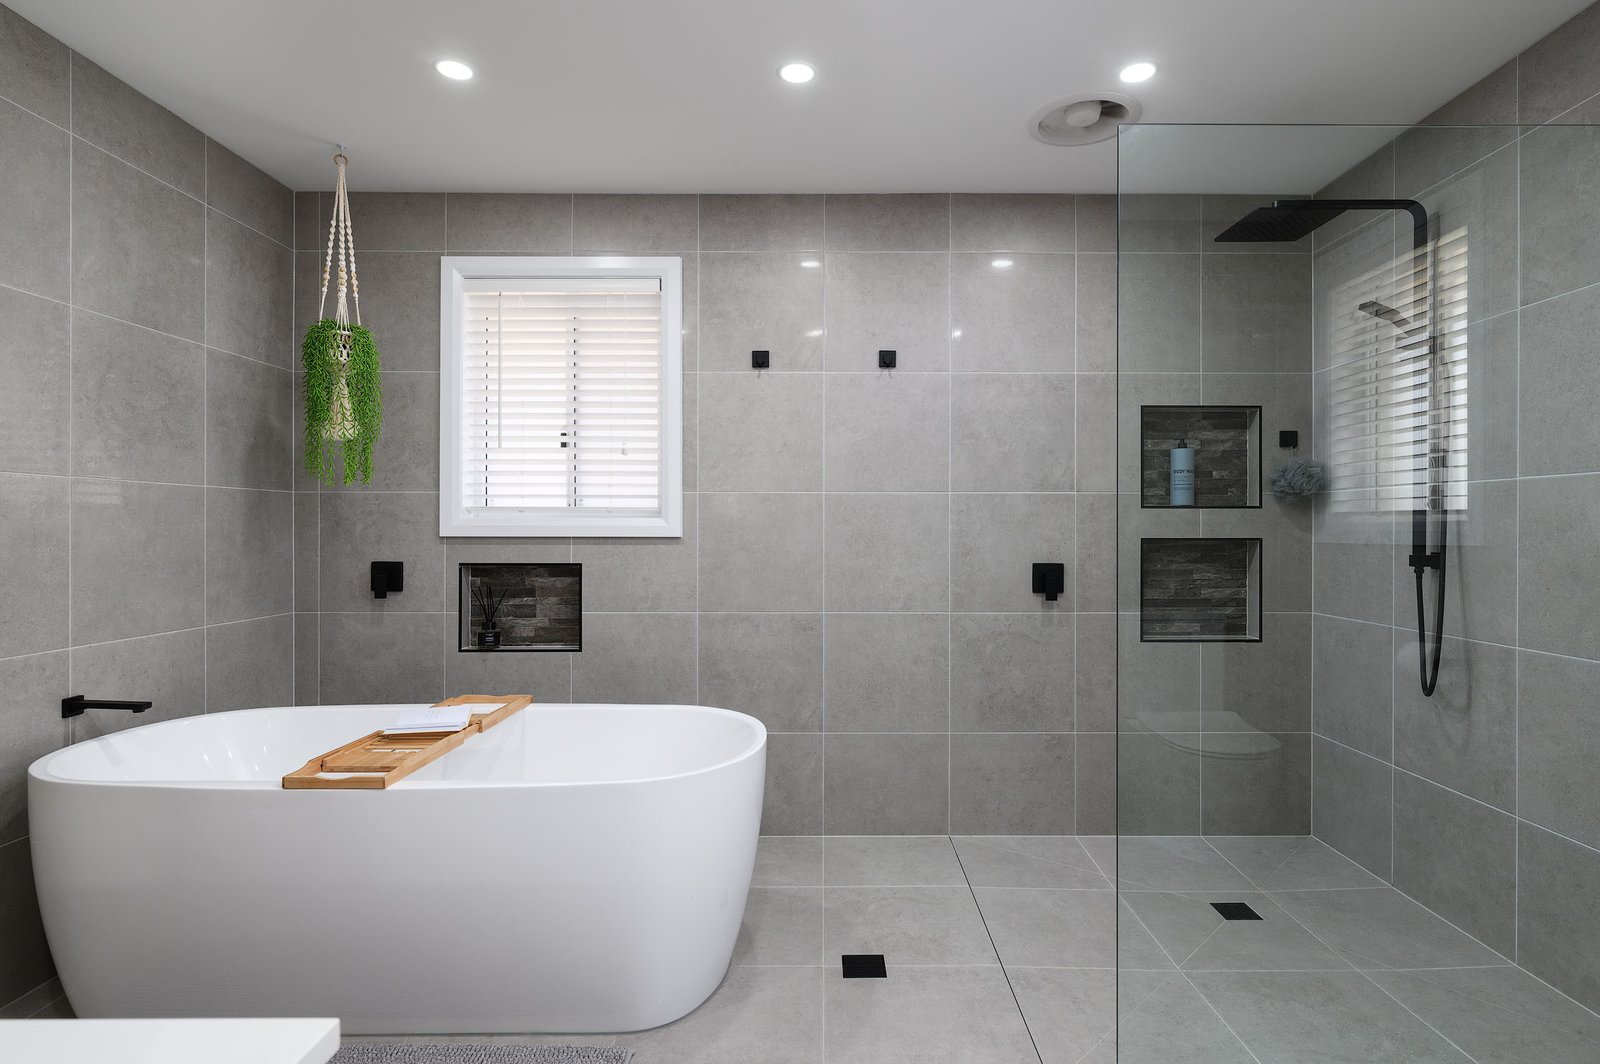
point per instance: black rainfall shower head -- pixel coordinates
(1278, 224)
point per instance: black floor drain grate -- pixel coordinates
(1235, 910)
(864, 966)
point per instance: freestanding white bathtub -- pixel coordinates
(579, 868)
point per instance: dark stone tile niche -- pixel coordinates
(1227, 454)
(542, 610)
(1200, 590)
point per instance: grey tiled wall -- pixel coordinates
(856, 563)
(1481, 801)
(1215, 737)
(145, 517)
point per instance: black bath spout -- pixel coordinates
(74, 705)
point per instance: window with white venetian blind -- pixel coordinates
(1389, 416)
(561, 397)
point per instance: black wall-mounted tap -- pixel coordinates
(74, 705)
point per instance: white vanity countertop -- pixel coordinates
(168, 1041)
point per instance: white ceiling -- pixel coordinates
(681, 95)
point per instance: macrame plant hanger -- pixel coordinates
(344, 399)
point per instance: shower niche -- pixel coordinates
(520, 606)
(1227, 455)
(1200, 590)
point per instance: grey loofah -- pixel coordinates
(1298, 478)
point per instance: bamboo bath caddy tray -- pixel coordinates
(374, 761)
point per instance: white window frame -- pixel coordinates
(455, 520)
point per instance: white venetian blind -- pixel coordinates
(1385, 426)
(562, 396)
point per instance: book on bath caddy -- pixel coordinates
(427, 719)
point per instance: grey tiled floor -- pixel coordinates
(1006, 950)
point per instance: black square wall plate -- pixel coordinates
(1235, 910)
(864, 966)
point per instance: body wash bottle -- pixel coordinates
(1181, 459)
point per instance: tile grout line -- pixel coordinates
(976, 904)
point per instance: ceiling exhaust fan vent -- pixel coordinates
(1084, 119)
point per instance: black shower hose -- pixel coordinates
(1430, 673)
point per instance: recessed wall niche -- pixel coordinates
(535, 606)
(1227, 454)
(1200, 590)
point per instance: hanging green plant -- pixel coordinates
(343, 395)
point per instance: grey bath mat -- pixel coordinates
(475, 1053)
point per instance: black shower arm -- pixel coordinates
(1419, 213)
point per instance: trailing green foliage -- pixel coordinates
(344, 401)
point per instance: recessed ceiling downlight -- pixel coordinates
(453, 69)
(1134, 73)
(1084, 118)
(797, 73)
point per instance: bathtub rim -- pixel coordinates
(41, 770)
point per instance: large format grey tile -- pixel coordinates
(1482, 570)
(926, 1016)
(1257, 313)
(1556, 257)
(888, 302)
(1174, 863)
(1013, 313)
(400, 221)
(250, 664)
(1328, 1017)
(768, 665)
(1558, 385)
(381, 657)
(1193, 933)
(1468, 127)
(1096, 317)
(1058, 861)
(1265, 685)
(641, 575)
(908, 925)
(247, 194)
(1557, 744)
(891, 861)
(249, 559)
(161, 526)
(1255, 783)
(888, 552)
(1457, 857)
(249, 292)
(762, 553)
(1158, 784)
(1557, 938)
(1021, 784)
(1291, 862)
(782, 925)
(307, 670)
(1148, 222)
(1051, 928)
(34, 214)
(525, 223)
(793, 803)
(359, 528)
(1011, 673)
(1464, 736)
(887, 431)
(21, 932)
(138, 403)
(1353, 701)
(1382, 928)
(1013, 222)
(33, 68)
(788, 861)
(768, 1014)
(406, 456)
(30, 727)
(1353, 810)
(1012, 432)
(887, 784)
(1095, 422)
(1497, 1015)
(905, 222)
(33, 595)
(1557, 72)
(996, 538)
(1557, 565)
(34, 389)
(1094, 771)
(888, 672)
(249, 423)
(1158, 685)
(400, 304)
(138, 246)
(761, 431)
(638, 224)
(112, 115)
(1097, 223)
(1159, 1010)
(1069, 1011)
(761, 223)
(636, 657)
(1095, 579)
(167, 670)
(1096, 687)
(766, 302)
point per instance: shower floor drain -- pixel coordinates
(864, 966)
(1235, 910)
